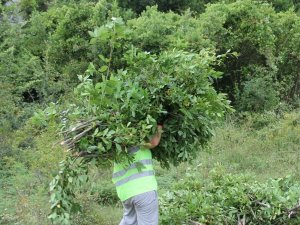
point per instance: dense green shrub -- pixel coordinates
(29, 6)
(287, 30)
(241, 27)
(259, 94)
(284, 5)
(34, 68)
(258, 121)
(259, 41)
(105, 193)
(231, 199)
(177, 6)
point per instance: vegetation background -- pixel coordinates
(45, 45)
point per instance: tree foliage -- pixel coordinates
(167, 5)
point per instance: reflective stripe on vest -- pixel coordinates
(133, 177)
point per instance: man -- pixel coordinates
(137, 187)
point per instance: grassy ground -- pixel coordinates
(265, 151)
(266, 146)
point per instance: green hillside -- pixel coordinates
(227, 70)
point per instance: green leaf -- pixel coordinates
(52, 216)
(119, 148)
(92, 34)
(106, 60)
(103, 69)
(96, 132)
(83, 178)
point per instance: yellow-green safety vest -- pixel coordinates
(136, 178)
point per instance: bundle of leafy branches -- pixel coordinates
(122, 110)
(115, 110)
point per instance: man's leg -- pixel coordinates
(146, 207)
(129, 215)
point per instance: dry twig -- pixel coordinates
(294, 211)
(242, 221)
(263, 204)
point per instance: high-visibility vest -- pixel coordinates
(136, 178)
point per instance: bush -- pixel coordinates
(177, 6)
(259, 94)
(230, 199)
(260, 120)
(105, 193)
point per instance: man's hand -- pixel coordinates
(156, 138)
(159, 128)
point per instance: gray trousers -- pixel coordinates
(141, 209)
